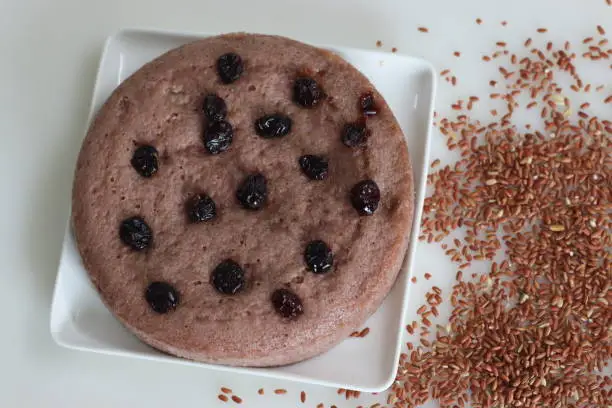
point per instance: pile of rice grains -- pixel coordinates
(533, 203)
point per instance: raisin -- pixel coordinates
(145, 160)
(367, 104)
(253, 191)
(319, 257)
(365, 197)
(229, 67)
(162, 297)
(218, 137)
(214, 107)
(306, 92)
(271, 126)
(315, 167)
(287, 303)
(228, 277)
(201, 208)
(135, 233)
(354, 134)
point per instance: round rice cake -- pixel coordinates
(268, 274)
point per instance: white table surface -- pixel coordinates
(49, 51)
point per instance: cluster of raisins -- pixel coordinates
(228, 278)
(219, 133)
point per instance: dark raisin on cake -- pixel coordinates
(367, 104)
(201, 208)
(314, 167)
(135, 233)
(162, 297)
(365, 197)
(287, 304)
(145, 160)
(218, 137)
(319, 257)
(228, 277)
(306, 92)
(230, 67)
(354, 134)
(214, 108)
(273, 126)
(253, 192)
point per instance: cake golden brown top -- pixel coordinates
(243, 199)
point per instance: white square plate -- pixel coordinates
(79, 319)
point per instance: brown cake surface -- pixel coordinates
(161, 106)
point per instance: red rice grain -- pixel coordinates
(364, 332)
